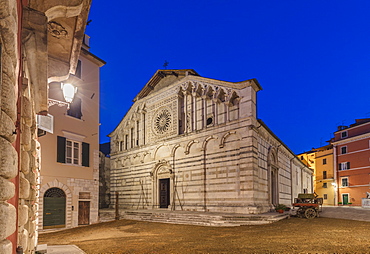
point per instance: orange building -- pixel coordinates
(351, 146)
(321, 161)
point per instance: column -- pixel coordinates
(185, 111)
(204, 102)
(195, 111)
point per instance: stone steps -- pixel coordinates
(203, 219)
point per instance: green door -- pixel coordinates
(345, 199)
(54, 214)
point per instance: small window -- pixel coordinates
(325, 196)
(344, 181)
(209, 120)
(302, 158)
(323, 161)
(126, 142)
(325, 185)
(344, 134)
(343, 150)
(73, 149)
(324, 175)
(344, 165)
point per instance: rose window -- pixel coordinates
(162, 121)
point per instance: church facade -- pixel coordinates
(194, 143)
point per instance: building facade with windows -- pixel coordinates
(351, 145)
(39, 42)
(194, 143)
(321, 160)
(69, 187)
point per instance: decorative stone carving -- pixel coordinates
(162, 121)
(57, 30)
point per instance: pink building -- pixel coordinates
(351, 146)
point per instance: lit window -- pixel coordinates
(344, 181)
(344, 165)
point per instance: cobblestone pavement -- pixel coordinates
(346, 212)
(341, 212)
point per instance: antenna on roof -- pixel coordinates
(165, 64)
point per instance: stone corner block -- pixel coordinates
(7, 127)
(6, 247)
(8, 219)
(8, 159)
(7, 189)
(24, 187)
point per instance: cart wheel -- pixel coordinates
(310, 213)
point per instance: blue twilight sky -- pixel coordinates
(311, 57)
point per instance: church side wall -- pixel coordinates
(292, 176)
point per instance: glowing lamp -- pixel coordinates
(69, 91)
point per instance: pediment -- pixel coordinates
(163, 78)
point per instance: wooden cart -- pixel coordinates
(308, 204)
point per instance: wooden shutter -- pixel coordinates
(85, 154)
(61, 149)
(348, 165)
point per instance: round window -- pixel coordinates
(162, 121)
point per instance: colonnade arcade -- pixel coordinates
(204, 105)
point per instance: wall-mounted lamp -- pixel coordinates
(69, 92)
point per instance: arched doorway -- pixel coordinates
(54, 214)
(274, 186)
(162, 182)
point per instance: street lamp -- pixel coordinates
(69, 92)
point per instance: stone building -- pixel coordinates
(69, 182)
(194, 143)
(39, 43)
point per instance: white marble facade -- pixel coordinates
(194, 143)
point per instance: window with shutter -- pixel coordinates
(61, 149)
(344, 165)
(73, 152)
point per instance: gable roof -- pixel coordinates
(157, 78)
